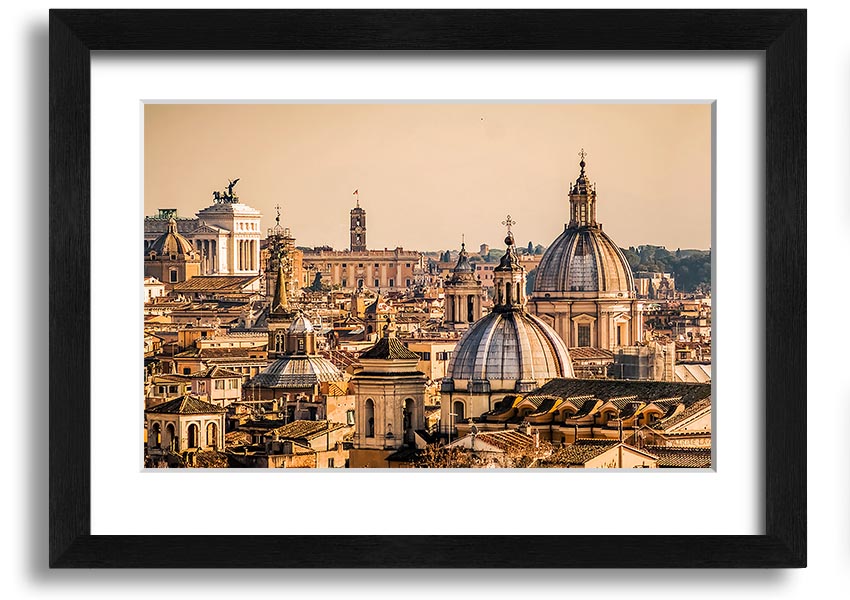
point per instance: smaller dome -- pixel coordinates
(510, 346)
(171, 242)
(301, 324)
(296, 371)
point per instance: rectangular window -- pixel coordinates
(330, 463)
(344, 265)
(172, 389)
(344, 282)
(377, 282)
(349, 417)
(172, 275)
(377, 266)
(407, 282)
(219, 384)
(392, 282)
(360, 265)
(584, 335)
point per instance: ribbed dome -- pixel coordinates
(296, 371)
(171, 242)
(510, 345)
(301, 324)
(584, 259)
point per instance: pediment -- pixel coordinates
(204, 228)
(584, 319)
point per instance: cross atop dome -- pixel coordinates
(509, 222)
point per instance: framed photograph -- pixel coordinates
(425, 194)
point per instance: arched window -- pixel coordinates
(170, 439)
(370, 418)
(155, 436)
(192, 435)
(212, 435)
(458, 410)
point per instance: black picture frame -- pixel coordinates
(780, 34)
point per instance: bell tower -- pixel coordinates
(358, 226)
(463, 294)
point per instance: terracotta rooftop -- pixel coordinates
(186, 405)
(689, 412)
(215, 283)
(588, 353)
(195, 352)
(507, 440)
(296, 430)
(390, 348)
(215, 372)
(582, 451)
(681, 456)
(610, 389)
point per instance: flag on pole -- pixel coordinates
(356, 192)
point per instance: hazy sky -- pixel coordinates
(428, 173)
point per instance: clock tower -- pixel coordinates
(358, 227)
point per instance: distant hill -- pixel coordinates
(692, 268)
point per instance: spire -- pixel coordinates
(280, 303)
(463, 265)
(582, 198)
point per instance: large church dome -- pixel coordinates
(583, 258)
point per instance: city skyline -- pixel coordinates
(453, 170)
